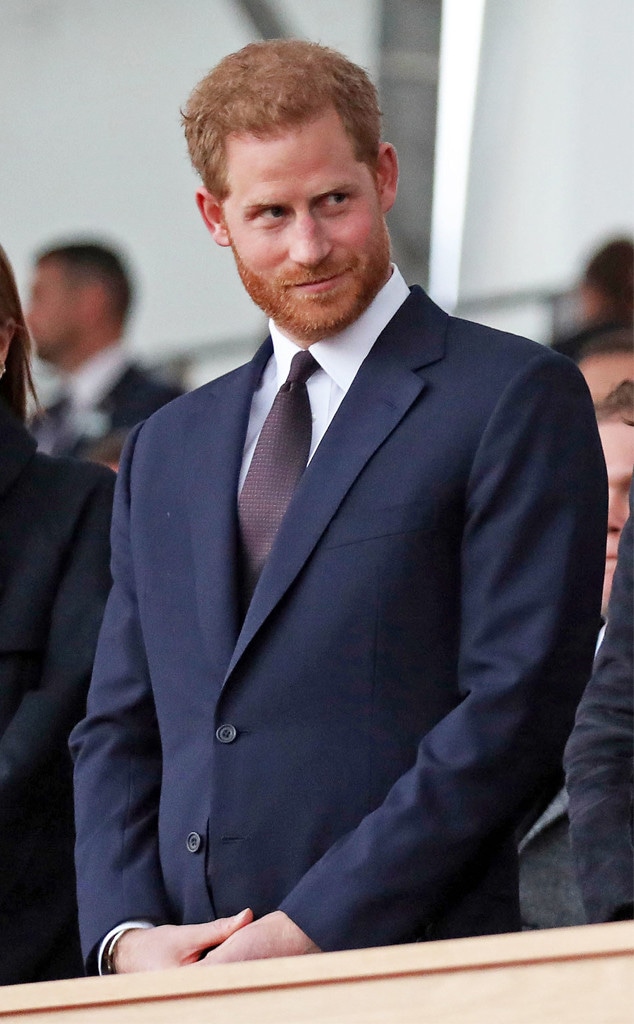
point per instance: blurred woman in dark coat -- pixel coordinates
(54, 580)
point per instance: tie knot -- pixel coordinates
(302, 367)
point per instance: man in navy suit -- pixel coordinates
(338, 757)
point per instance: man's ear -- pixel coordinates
(387, 175)
(211, 212)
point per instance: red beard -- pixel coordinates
(310, 317)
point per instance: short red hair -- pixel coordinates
(268, 87)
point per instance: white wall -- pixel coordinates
(90, 94)
(552, 161)
(91, 142)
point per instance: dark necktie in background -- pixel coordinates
(54, 428)
(279, 460)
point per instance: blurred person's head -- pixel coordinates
(606, 359)
(15, 346)
(267, 88)
(615, 417)
(607, 286)
(80, 298)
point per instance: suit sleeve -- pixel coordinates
(39, 729)
(599, 763)
(531, 569)
(117, 756)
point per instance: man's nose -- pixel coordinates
(309, 243)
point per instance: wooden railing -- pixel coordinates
(565, 976)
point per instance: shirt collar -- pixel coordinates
(97, 376)
(341, 354)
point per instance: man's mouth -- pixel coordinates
(316, 285)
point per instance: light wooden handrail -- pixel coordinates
(577, 975)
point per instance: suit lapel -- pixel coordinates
(215, 436)
(381, 394)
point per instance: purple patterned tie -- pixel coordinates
(279, 460)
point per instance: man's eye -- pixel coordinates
(274, 212)
(336, 198)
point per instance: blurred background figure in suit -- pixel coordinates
(81, 296)
(605, 297)
(599, 761)
(549, 892)
(54, 579)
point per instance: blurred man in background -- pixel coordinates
(549, 893)
(81, 296)
(599, 764)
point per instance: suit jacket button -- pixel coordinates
(193, 842)
(226, 733)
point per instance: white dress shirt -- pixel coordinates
(96, 377)
(339, 358)
(89, 385)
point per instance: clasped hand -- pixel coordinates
(227, 939)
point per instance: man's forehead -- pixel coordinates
(57, 276)
(53, 268)
(49, 274)
(317, 154)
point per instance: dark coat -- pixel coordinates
(134, 397)
(54, 579)
(599, 759)
(356, 752)
(549, 893)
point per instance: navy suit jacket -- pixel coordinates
(406, 674)
(134, 397)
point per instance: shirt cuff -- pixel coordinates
(109, 940)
